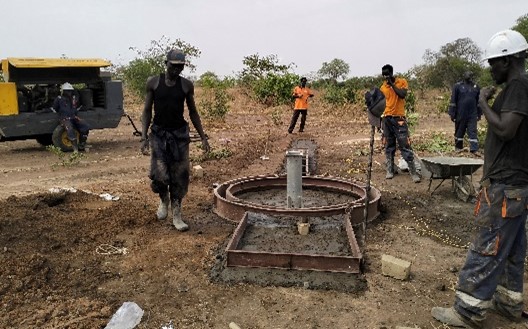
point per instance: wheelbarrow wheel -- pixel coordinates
(464, 188)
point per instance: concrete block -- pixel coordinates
(394, 267)
(198, 171)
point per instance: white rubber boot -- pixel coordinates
(177, 218)
(163, 208)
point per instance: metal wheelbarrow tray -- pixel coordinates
(457, 169)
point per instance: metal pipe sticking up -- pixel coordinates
(294, 178)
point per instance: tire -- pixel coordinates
(45, 140)
(60, 139)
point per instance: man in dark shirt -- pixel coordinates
(465, 112)
(67, 106)
(169, 137)
(492, 277)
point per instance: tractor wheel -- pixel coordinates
(60, 139)
(44, 140)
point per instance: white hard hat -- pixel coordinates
(505, 43)
(66, 86)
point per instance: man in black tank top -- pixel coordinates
(169, 136)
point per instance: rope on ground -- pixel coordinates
(106, 249)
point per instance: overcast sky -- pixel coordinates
(364, 33)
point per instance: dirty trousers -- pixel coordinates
(494, 268)
(169, 163)
(395, 130)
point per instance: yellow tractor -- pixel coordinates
(30, 85)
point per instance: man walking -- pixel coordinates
(394, 123)
(465, 112)
(492, 277)
(169, 137)
(301, 94)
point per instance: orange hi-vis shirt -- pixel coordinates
(302, 102)
(394, 105)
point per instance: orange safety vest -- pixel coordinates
(394, 105)
(301, 103)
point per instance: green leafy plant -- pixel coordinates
(65, 159)
(335, 95)
(443, 105)
(152, 62)
(215, 101)
(437, 142)
(213, 154)
(275, 89)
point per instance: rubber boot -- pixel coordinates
(177, 221)
(82, 142)
(450, 317)
(75, 146)
(412, 171)
(163, 208)
(390, 169)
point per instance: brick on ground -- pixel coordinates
(394, 267)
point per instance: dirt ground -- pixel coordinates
(69, 260)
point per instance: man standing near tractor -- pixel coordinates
(394, 124)
(301, 94)
(67, 105)
(169, 137)
(465, 112)
(492, 276)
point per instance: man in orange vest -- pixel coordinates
(394, 122)
(301, 94)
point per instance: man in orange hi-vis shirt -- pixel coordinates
(301, 94)
(395, 128)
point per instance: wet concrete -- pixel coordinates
(312, 197)
(278, 234)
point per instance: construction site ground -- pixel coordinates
(69, 260)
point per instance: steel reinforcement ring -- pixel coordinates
(228, 206)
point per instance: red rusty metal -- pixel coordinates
(293, 261)
(229, 207)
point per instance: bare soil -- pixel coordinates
(69, 260)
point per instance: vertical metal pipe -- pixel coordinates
(294, 178)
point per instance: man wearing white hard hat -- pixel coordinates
(492, 276)
(67, 107)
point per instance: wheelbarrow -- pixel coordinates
(455, 168)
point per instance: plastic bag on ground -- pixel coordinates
(128, 316)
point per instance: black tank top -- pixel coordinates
(168, 104)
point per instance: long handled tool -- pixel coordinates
(136, 131)
(367, 188)
(375, 101)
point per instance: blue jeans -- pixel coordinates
(494, 268)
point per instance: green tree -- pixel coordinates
(152, 61)
(270, 83)
(521, 25)
(257, 67)
(215, 101)
(337, 68)
(445, 67)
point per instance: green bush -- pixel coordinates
(65, 160)
(152, 62)
(275, 89)
(437, 142)
(215, 101)
(335, 95)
